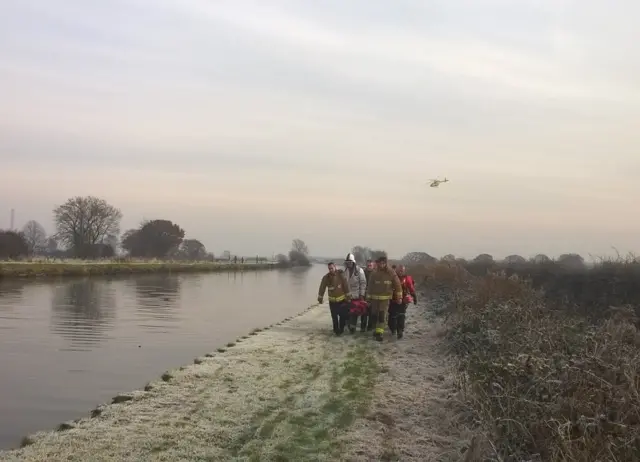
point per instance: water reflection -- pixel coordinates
(83, 311)
(10, 299)
(11, 288)
(158, 298)
(300, 280)
(236, 276)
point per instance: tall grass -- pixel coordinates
(548, 357)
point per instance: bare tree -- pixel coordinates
(375, 254)
(300, 247)
(35, 236)
(298, 255)
(85, 221)
(52, 245)
(361, 253)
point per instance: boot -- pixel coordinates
(353, 321)
(378, 336)
(400, 323)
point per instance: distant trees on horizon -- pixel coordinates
(89, 228)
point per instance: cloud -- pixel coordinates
(317, 113)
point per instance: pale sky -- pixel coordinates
(250, 123)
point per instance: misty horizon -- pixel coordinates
(250, 124)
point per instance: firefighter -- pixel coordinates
(357, 288)
(383, 285)
(369, 269)
(366, 319)
(338, 289)
(398, 311)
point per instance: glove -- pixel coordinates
(347, 297)
(362, 297)
(320, 300)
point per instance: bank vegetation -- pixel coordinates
(548, 354)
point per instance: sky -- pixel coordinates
(251, 123)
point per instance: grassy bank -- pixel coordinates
(547, 359)
(285, 393)
(290, 392)
(111, 268)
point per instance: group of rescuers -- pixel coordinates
(371, 294)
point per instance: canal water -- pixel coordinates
(69, 345)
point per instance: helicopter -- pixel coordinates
(436, 183)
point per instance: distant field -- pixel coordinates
(74, 267)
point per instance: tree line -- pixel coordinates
(89, 228)
(363, 253)
(567, 259)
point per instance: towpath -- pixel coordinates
(292, 392)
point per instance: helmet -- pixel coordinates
(350, 257)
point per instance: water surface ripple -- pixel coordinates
(69, 345)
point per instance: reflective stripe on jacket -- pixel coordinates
(383, 285)
(337, 286)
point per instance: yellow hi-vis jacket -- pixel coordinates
(337, 286)
(383, 285)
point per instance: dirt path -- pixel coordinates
(411, 417)
(291, 393)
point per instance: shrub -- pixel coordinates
(548, 357)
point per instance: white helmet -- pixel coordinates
(350, 257)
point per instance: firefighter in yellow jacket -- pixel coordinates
(339, 295)
(383, 285)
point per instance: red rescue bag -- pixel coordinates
(358, 307)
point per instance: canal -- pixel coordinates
(69, 345)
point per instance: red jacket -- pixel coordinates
(408, 289)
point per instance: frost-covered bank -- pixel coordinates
(292, 392)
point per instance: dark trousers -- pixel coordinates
(339, 314)
(397, 314)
